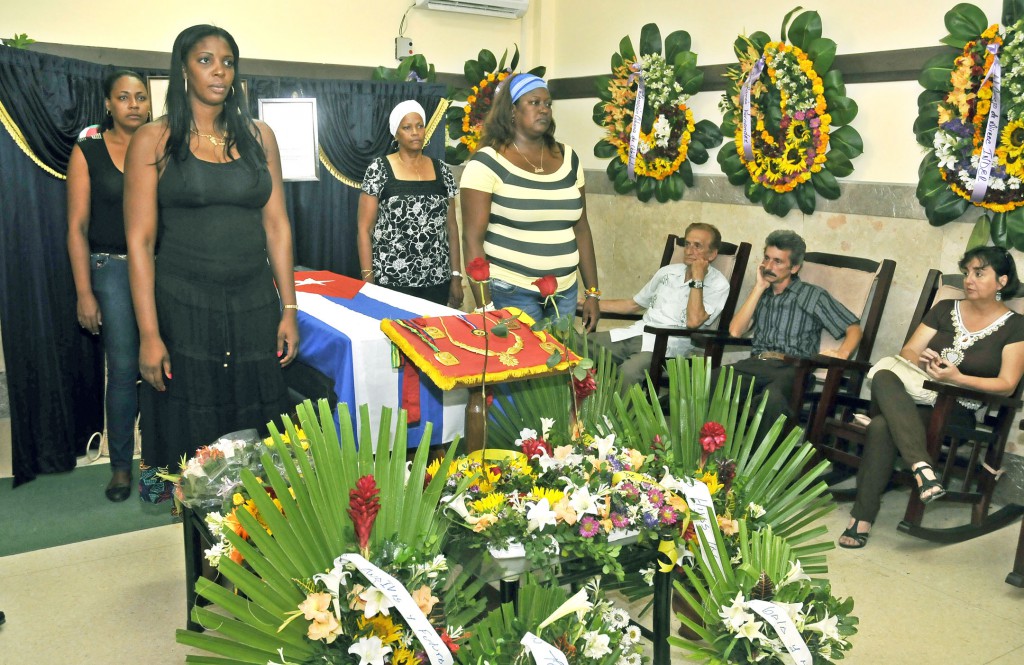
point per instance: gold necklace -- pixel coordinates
(416, 168)
(215, 140)
(506, 357)
(536, 169)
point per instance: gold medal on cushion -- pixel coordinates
(446, 358)
(434, 332)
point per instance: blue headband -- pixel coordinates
(524, 83)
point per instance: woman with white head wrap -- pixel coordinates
(407, 235)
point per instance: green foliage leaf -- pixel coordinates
(513, 65)
(759, 39)
(645, 188)
(825, 184)
(822, 53)
(660, 192)
(956, 42)
(965, 21)
(622, 184)
(935, 75)
(1000, 224)
(604, 150)
(1013, 11)
(650, 39)
(676, 43)
(674, 183)
(707, 133)
(806, 198)
(1014, 230)
(553, 359)
(487, 61)
(842, 109)
(473, 72)
(778, 204)
(833, 83)
(500, 330)
(981, 233)
(691, 80)
(683, 60)
(839, 163)
(626, 49)
(697, 153)
(616, 61)
(805, 29)
(848, 140)
(602, 83)
(685, 173)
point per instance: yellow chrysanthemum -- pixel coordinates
(492, 503)
(403, 656)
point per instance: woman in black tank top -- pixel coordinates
(97, 248)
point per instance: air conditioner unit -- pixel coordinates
(496, 8)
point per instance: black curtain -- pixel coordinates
(54, 369)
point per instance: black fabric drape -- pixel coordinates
(54, 370)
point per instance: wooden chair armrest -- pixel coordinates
(673, 332)
(703, 339)
(820, 361)
(967, 393)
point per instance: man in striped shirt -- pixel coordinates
(787, 317)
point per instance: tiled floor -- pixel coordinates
(120, 599)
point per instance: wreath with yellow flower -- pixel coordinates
(793, 151)
(466, 122)
(669, 138)
(954, 116)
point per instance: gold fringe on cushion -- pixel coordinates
(19, 139)
(445, 382)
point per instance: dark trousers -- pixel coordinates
(898, 425)
(632, 362)
(436, 294)
(773, 380)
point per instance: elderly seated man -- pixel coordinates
(787, 317)
(690, 294)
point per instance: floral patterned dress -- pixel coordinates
(410, 238)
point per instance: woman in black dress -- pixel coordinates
(97, 249)
(208, 237)
(407, 234)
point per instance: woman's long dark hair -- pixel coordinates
(1002, 264)
(108, 87)
(234, 120)
(499, 132)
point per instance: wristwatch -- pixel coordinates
(695, 284)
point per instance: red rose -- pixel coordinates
(535, 448)
(586, 387)
(547, 285)
(479, 270)
(712, 437)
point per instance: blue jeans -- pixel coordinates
(508, 295)
(121, 344)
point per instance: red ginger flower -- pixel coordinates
(363, 507)
(712, 437)
(479, 270)
(535, 448)
(547, 285)
(586, 387)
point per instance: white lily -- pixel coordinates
(333, 579)
(605, 445)
(583, 502)
(371, 650)
(828, 627)
(596, 644)
(377, 602)
(751, 630)
(539, 515)
(796, 573)
(579, 604)
(525, 433)
(545, 426)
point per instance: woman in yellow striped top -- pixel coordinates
(524, 208)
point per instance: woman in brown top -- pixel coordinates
(976, 343)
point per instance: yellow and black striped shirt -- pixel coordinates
(530, 230)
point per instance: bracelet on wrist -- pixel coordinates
(295, 307)
(595, 296)
(456, 273)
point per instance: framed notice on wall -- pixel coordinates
(294, 123)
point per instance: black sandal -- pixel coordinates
(853, 534)
(925, 484)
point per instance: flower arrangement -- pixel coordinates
(342, 556)
(782, 108)
(586, 628)
(575, 499)
(767, 610)
(668, 138)
(414, 68)
(466, 123)
(208, 478)
(971, 117)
